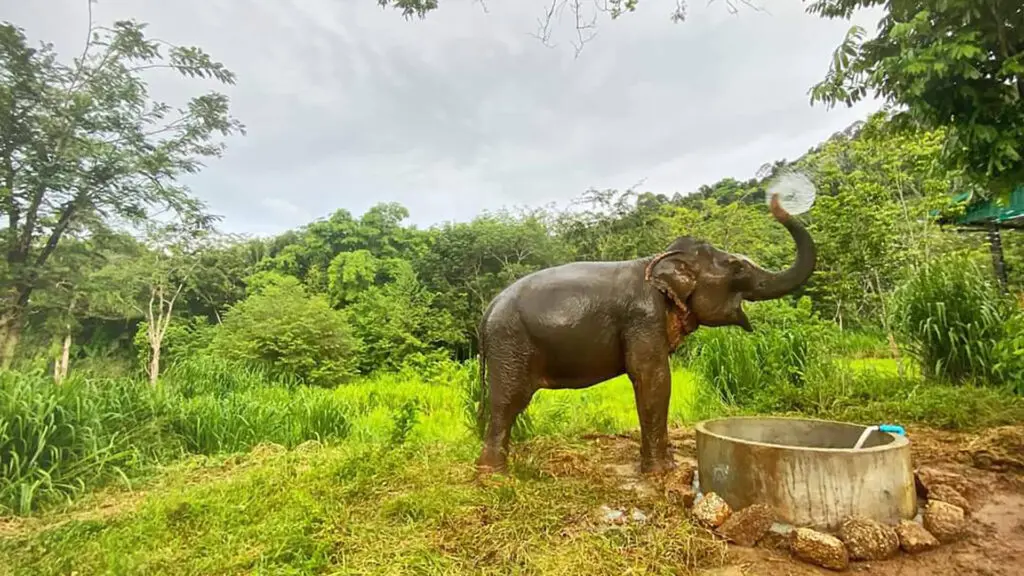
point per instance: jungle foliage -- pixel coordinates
(130, 340)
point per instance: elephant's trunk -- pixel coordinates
(767, 285)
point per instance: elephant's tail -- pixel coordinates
(483, 393)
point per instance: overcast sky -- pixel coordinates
(347, 105)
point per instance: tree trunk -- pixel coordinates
(60, 367)
(154, 362)
(12, 322)
(10, 335)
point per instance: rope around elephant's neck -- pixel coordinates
(687, 317)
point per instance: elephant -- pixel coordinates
(579, 324)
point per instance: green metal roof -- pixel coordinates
(988, 211)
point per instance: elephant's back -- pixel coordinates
(581, 297)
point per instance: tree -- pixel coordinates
(292, 334)
(82, 146)
(398, 319)
(468, 263)
(954, 64)
(350, 274)
(152, 278)
(78, 291)
(616, 225)
(871, 218)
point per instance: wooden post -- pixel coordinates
(995, 243)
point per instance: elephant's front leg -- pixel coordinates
(652, 386)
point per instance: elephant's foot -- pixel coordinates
(491, 462)
(657, 466)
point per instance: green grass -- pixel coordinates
(59, 442)
(234, 474)
(610, 407)
(378, 502)
(361, 509)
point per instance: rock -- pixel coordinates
(611, 515)
(679, 485)
(914, 538)
(308, 446)
(747, 526)
(615, 516)
(926, 479)
(774, 541)
(711, 511)
(945, 521)
(866, 539)
(819, 549)
(949, 495)
(681, 496)
(683, 474)
(999, 449)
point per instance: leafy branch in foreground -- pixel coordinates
(955, 64)
(84, 147)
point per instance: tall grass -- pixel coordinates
(788, 342)
(953, 319)
(1010, 354)
(56, 441)
(869, 392)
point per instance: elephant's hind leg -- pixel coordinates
(511, 389)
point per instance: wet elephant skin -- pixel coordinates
(575, 325)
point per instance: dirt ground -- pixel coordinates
(987, 468)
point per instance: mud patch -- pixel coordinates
(1003, 514)
(987, 471)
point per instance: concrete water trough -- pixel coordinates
(807, 470)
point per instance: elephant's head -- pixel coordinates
(712, 284)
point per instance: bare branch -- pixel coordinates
(585, 31)
(544, 23)
(733, 7)
(85, 52)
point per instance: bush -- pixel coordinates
(953, 319)
(1009, 354)
(289, 334)
(399, 320)
(745, 368)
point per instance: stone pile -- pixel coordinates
(943, 521)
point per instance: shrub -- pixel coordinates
(744, 367)
(952, 317)
(289, 334)
(398, 320)
(1009, 354)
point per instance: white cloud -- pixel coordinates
(347, 104)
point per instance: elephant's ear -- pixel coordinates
(673, 274)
